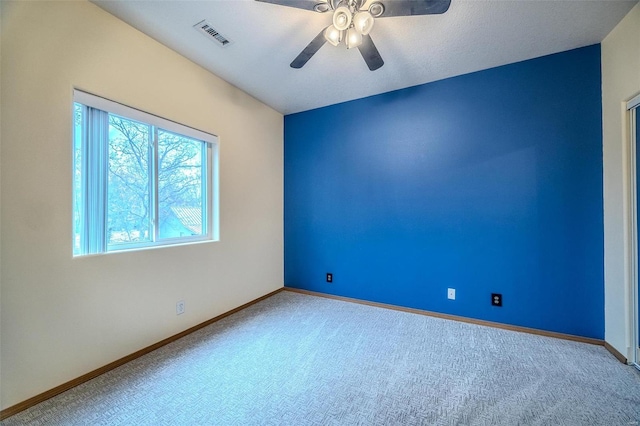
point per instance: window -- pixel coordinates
(139, 180)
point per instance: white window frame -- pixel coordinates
(211, 142)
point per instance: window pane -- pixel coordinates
(128, 207)
(138, 180)
(77, 177)
(180, 186)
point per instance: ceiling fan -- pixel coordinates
(352, 23)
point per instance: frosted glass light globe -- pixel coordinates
(354, 38)
(342, 18)
(333, 35)
(363, 22)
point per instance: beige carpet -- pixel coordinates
(303, 360)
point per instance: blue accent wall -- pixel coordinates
(489, 182)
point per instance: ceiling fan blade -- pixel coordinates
(370, 53)
(309, 51)
(313, 5)
(414, 7)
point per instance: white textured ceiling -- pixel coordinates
(472, 35)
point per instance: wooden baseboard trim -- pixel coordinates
(623, 359)
(572, 337)
(21, 406)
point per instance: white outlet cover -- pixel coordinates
(180, 307)
(451, 293)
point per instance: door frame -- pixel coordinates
(631, 121)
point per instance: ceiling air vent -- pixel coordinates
(211, 33)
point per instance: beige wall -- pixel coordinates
(620, 82)
(0, 207)
(62, 317)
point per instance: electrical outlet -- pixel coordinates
(451, 293)
(496, 299)
(329, 277)
(180, 307)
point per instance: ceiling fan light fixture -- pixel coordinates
(333, 35)
(354, 38)
(342, 18)
(363, 22)
(353, 21)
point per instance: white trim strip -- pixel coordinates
(634, 102)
